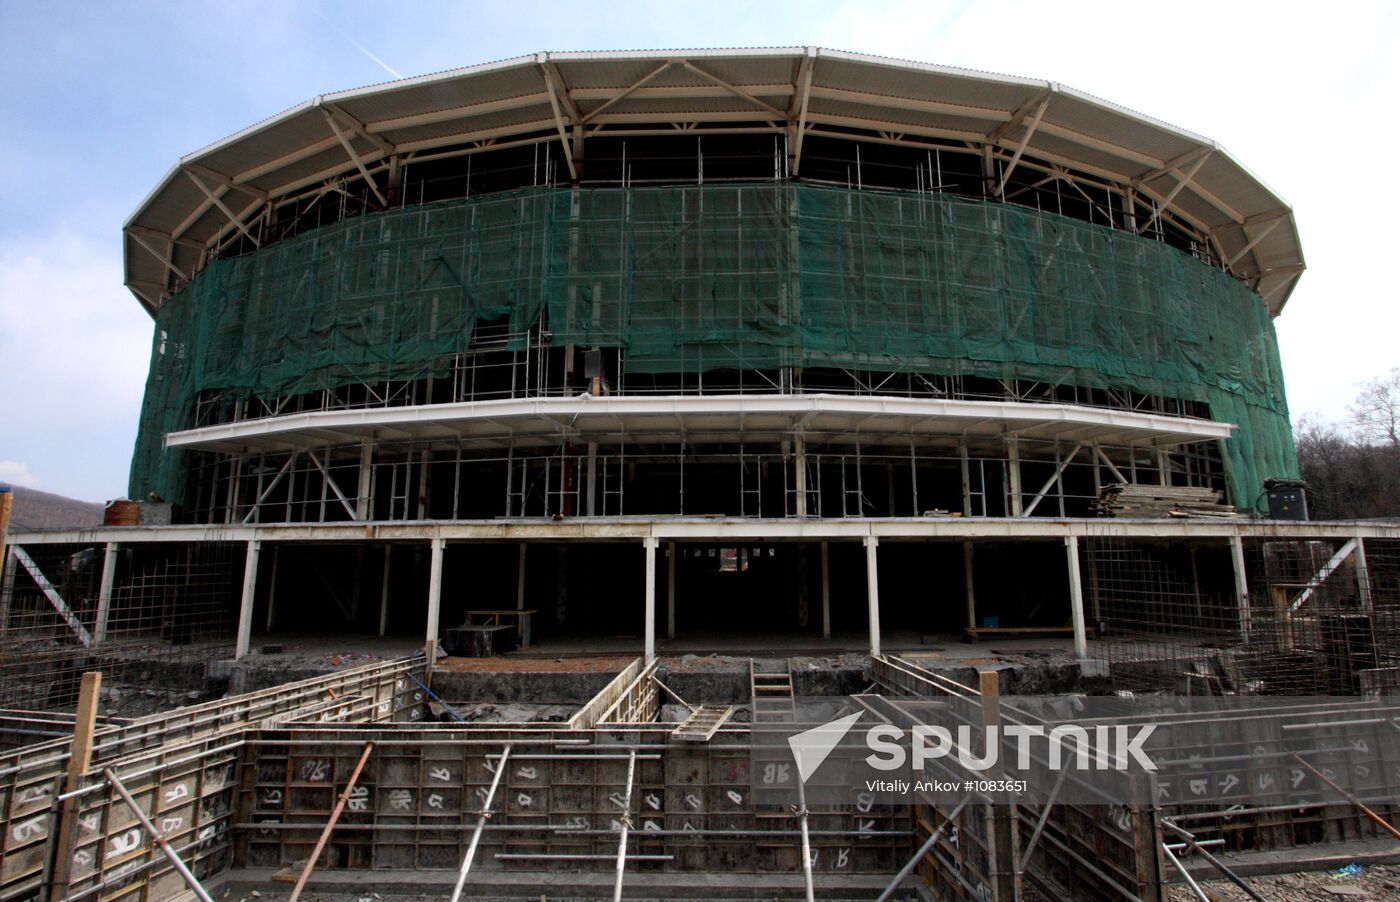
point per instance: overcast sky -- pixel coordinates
(98, 100)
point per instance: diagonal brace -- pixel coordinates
(52, 595)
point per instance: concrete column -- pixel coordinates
(670, 590)
(1013, 474)
(967, 585)
(1241, 583)
(1076, 597)
(435, 588)
(872, 591)
(649, 544)
(799, 452)
(592, 479)
(966, 467)
(272, 591)
(104, 593)
(366, 469)
(826, 592)
(384, 592)
(520, 581)
(1363, 575)
(245, 604)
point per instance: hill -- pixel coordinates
(34, 509)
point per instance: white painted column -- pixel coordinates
(967, 585)
(799, 451)
(670, 590)
(826, 592)
(272, 591)
(520, 581)
(384, 592)
(366, 470)
(591, 480)
(1013, 473)
(1076, 597)
(104, 593)
(245, 604)
(1241, 583)
(1363, 575)
(649, 544)
(872, 591)
(435, 588)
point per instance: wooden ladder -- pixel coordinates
(702, 723)
(771, 695)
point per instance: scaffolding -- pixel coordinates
(778, 287)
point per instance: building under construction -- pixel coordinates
(659, 389)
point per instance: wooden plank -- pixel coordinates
(79, 760)
(703, 723)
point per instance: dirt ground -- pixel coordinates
(1373, 882)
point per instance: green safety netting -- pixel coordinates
(698, 278)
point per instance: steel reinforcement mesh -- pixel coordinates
(702, 278)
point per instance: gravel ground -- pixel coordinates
(1375, 882)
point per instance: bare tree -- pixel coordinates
(1376, 411)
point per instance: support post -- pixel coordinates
(1241, 583)
(1013, 472)
(520, 581)
(966, 467)
(7, 585)
(1076, 597)
(384, 592)
(104, 593)
(670, 590)
(435, 588)
(799, 452)
(826, 591)
(330, 824)
(7, 497)
(626, 812)
(592, 479)
(366, 470)
(79, 760)
(190, 880)
(245, 604)
(480, 825)
(1363, 575)
(272, 590)
(872, 591)
(649, 546)
(968, 585)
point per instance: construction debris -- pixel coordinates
(1160, 502)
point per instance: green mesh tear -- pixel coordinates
(692, 279)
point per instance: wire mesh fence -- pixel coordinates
(169, 610)
(1320, 617)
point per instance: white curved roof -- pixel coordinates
(566, 97)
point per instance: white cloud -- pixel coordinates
(12, 472)
(75, 346)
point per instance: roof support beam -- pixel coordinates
(734, 89)
(1036, 104)
(554, 86)
(630, 88)
(1021, 147)
(359, 128)
(354, 158)
(797, 124)
(1258, 237)
(1185, 179)
(217, 200)
(163, 258)
(1173, 165)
